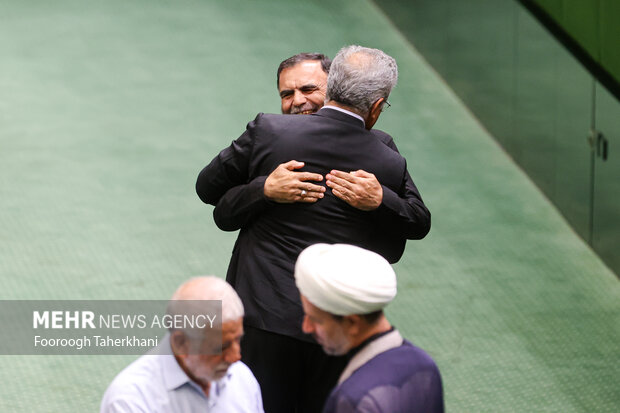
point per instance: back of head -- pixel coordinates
(344, 279)
(209, 288)
(359, 76)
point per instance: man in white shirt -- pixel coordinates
(187, 372)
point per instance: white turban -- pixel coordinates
(343, 279)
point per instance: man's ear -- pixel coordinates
(352, 324)
(179, 343)
(374, 113)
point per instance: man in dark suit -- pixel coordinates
(302, 84)
(336, 138)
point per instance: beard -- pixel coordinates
(203, 371)
(336, 345)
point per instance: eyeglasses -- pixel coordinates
(386, 105)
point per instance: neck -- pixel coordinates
(345, 107)
(380, 326)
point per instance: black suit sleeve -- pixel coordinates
(405, 210)
(228, 169)
(401, 215)
(238, 207)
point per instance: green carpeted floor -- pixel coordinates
(108, 110)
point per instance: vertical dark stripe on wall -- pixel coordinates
(599, 72)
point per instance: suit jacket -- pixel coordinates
(264, 255)
(400, 216)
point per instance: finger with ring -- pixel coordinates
(303, 192)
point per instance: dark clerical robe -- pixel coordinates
(388, 375)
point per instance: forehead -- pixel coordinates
(306, 72)
(312, 310)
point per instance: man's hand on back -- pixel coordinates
(285, 185)
(359, 189)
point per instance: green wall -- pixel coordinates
(540, 103)
(593, 24)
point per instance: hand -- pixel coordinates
(359, 189)
(285, 185)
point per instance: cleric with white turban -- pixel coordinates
(344, 279)
(343, 292)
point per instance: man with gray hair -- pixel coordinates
(192, 370)
(302, 85)
(343, 292)
(290, 367)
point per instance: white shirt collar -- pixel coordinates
(348, 112)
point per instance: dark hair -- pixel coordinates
(370, 318)
(326, 62)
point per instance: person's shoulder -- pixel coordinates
(415, 351)
(271, 125)
(401, 379)
(240, 368)
(385, 138)
(128, 387)
(240, 372)
(395, 365)
(242, 388)
(385, 147)
(147, 365)
(382, 136)
(412, 355)
(278, 119)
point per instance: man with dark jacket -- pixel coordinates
(336, 138)
(302, 84)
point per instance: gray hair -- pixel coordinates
(359, 76)
(199, 289)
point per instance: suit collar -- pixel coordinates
(341, 116)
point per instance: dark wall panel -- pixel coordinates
(572, 119)
(425, 23)
(606, 240)
(580, 19)
(589, 28)
(481, 63)
(553, 7)
(536, 102)
(609, 34)
(553, 121)
(532, 94)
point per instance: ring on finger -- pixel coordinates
(303, 192)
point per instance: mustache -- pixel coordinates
(295, 110)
